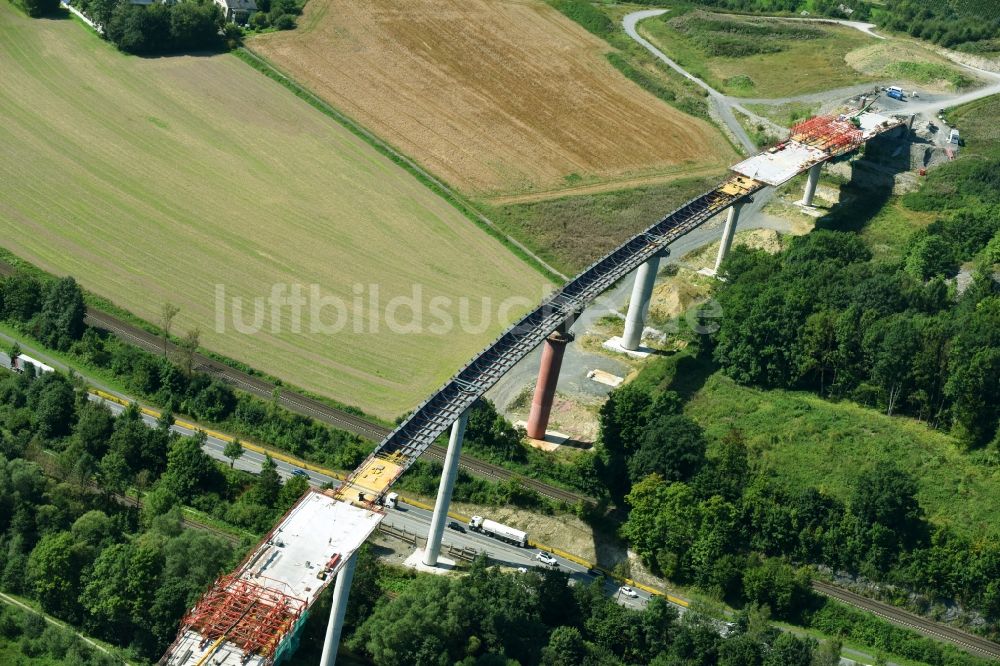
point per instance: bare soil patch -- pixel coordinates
(495, 96)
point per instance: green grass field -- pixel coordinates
(978, 124)
(571, 232)
(154, 180)
(807, 441)
(758, 58)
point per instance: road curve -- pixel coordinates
(721, 103)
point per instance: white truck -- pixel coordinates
(391, 500)
(21, 361)
(497, 531)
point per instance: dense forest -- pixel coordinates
(120, 573)
(915, 331)
(903, 335)
(493, 617)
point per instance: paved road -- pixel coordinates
(928, 103)
(722, 106)
(417, 521)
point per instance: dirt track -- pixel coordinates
(498, 97)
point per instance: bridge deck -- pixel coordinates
(275, 584)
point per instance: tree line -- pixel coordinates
(824, 316)
(502, 618)
(52, 311)
(720, 523)
(157, 28)
(122, 574)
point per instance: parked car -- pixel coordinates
(545, 558)
(458, 527)
(628, 592)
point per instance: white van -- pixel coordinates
(954, 137)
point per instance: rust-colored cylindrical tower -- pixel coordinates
(548, 377)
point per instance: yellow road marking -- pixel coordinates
(284, 457)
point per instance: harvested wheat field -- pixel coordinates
(170, 179)
(497, 97)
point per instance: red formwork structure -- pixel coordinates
(828, 133)
(249, 615)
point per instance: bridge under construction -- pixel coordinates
(252, 615)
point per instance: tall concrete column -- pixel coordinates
(445, 489)
(811, 183)
(638, 305)
(732, 219)
(341, 590)
(548, 376)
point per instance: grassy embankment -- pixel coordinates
(770, 58)
(571, 232)
(809, 441)
(154, 180)
(753, 57)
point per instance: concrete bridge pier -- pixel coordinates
(341, 590)
(638, 305)
(728, 232)
(811, 183)
(548, 376)
(447, 485)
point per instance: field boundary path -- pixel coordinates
(6, 598)
(439, 187)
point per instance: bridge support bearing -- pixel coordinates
(638, 305)
(728, 232)
(341, 590)
(811, 183)
(548, 376)
(448, 475)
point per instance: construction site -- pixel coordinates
(252, 615)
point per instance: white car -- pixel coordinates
(545, 558)
(628, 592)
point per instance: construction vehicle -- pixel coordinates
(494, 529)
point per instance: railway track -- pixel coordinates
(971, 643)
(495, 472)
(187, 522)
(306, 406)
